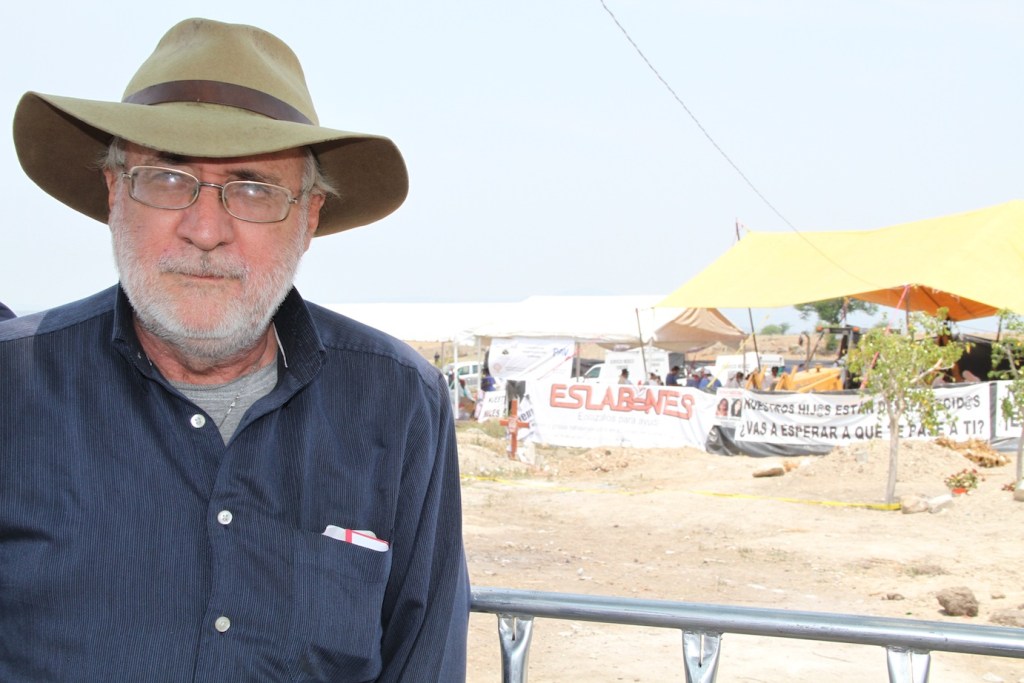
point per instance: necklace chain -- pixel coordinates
(245, 383)
(231, 407)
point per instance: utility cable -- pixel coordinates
(721, 151)
(703, 130)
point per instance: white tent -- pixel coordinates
(424, 322)
(613, 322)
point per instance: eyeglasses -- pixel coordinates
(246, 200)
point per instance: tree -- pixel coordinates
(897, 372)
(835, 311)
(780, 328)
(1010, 349)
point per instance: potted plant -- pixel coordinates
(963, 481)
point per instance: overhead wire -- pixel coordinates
(721, 151)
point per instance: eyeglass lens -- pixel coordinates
(165, 188)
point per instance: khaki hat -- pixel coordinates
(208, 90)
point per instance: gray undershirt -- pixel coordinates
(226, 404)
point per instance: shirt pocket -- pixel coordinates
(336, 621)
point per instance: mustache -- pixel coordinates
(204, 265)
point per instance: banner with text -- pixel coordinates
(809, 419)
(526, 358)
(592, 415)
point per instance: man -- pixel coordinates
(707, 382)
(204, 477)
(487, 381)
(672, 378)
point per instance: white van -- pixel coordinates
(638, 363)
(590, 376)
(468, 371)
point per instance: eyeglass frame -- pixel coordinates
(200, 184)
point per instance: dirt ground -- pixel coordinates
(688, 526)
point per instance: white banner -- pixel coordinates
(490, 405)
(526, 358)
(592, 415)
(809, 419)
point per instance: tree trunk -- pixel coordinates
(1020, 458)
(894, 449)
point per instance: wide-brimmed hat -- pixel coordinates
(208, 90)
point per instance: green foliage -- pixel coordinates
(897, 372)
(1011, 349)
(830, 311)
(964, 479)
(780, 328)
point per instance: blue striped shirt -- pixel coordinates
(136, 546)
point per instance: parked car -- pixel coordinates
(591, 375)
(468, 371)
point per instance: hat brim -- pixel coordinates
(60, 142)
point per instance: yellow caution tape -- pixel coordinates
(555, 489)
(802, 501)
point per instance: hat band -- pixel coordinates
(217, 92)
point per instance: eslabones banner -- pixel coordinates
(594, 415)
(589, 415)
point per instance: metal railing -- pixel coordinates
(908, 643)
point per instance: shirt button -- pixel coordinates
(222, 624)
(224, 517)
(198, 420)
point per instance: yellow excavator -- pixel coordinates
(817, 378)
(812, 377)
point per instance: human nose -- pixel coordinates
(206, 223)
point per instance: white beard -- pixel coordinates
(243, 319)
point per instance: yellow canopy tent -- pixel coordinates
(970, 263)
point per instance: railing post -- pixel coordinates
(907, 666)
(700, 654)
(908, 643)
(514, 632)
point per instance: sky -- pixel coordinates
(547, 157)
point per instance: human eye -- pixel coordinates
(260, 202)
(258, 192)
(153, 174)
(163, 187)
(172, 178)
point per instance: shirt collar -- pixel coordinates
(297, 337)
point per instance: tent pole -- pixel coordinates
(455, 377)
(907, 317)
(643, 353)
(753, 335)
(750, 316)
